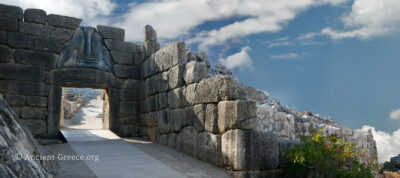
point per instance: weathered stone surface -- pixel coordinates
(176, 76)
(154, 134)
(150, 104)
(6, 53)
(211, 118)
(250, 150)
(209, 148)
(175, 98)
(131, 72)
(199, 112)
(231, 113)
(23, 88)
(45, 30)
(179, 120)
(131, 84)
(130, 95)
(129, 119)
(11, 12)
(128, 107)
(127, 130)
(21, 72)
(164, 139)
(186, 141)
(18, 140)
(163, 100)
(35, 15)
(151, 47)
(37, 127)
(86, 49)
(35, 58)
(172, 140)
(178, 53)
(17, 40)
(63, 21)
(189, 94)
(219, 88)
(15, 100)
(164, 82)
(120, 46)
(164, 123)
(111, 32)
(33, 112)
(37, 101)
(122, 58)
(8, 24)
(54, 109)
(3, 37)
(150, 67)
(150, 34)
(80, 77)
(45, 44)
(194, 72)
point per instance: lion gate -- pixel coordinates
(42, 53)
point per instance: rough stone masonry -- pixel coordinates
(172, 96)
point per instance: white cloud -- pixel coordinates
(368, 18)
(174, 18)
(394, 115)
(287, 56)
(307, 36)
(387, 144)
(240, 60)
(284, 41)
(93, 12)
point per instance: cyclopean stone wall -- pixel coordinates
(172, 96)
(41, 53)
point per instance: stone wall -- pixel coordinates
(171, 95)
(41, 53)
(204, 112)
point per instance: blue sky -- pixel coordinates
(338, 58)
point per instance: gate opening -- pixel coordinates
(84, 108)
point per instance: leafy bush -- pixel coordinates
(326, 156)
(390, 166)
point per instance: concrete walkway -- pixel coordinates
(107, 156)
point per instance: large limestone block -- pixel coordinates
(37, 127)
(211, 118)
(45, 30)
(23, 88)
(13, 12)
(179, 119)
(219, 88)
(189, 94)
(111, 32)
(172, 140)
(8, 24)
(163, 100)
(124, 71)
(232, 113)
(46, 44)
(22, 72)
(209, 148)
(186, 141)
(164, 123)
(150, 34)
(194, 72)
(129, 107)
(6, 53)
(122, 58)
(17, 40)
(175, 98)
(199, 115)
(250, 150)
(176, 76)
(35, 58)
(35, 16)
(121, 46)
(63, 21)
(37, 101)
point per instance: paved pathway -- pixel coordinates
(87, 116)
(128, 157)
(107, 155)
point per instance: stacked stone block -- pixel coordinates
(29, 47)
(31, 78)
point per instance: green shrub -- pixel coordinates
(326, 156)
